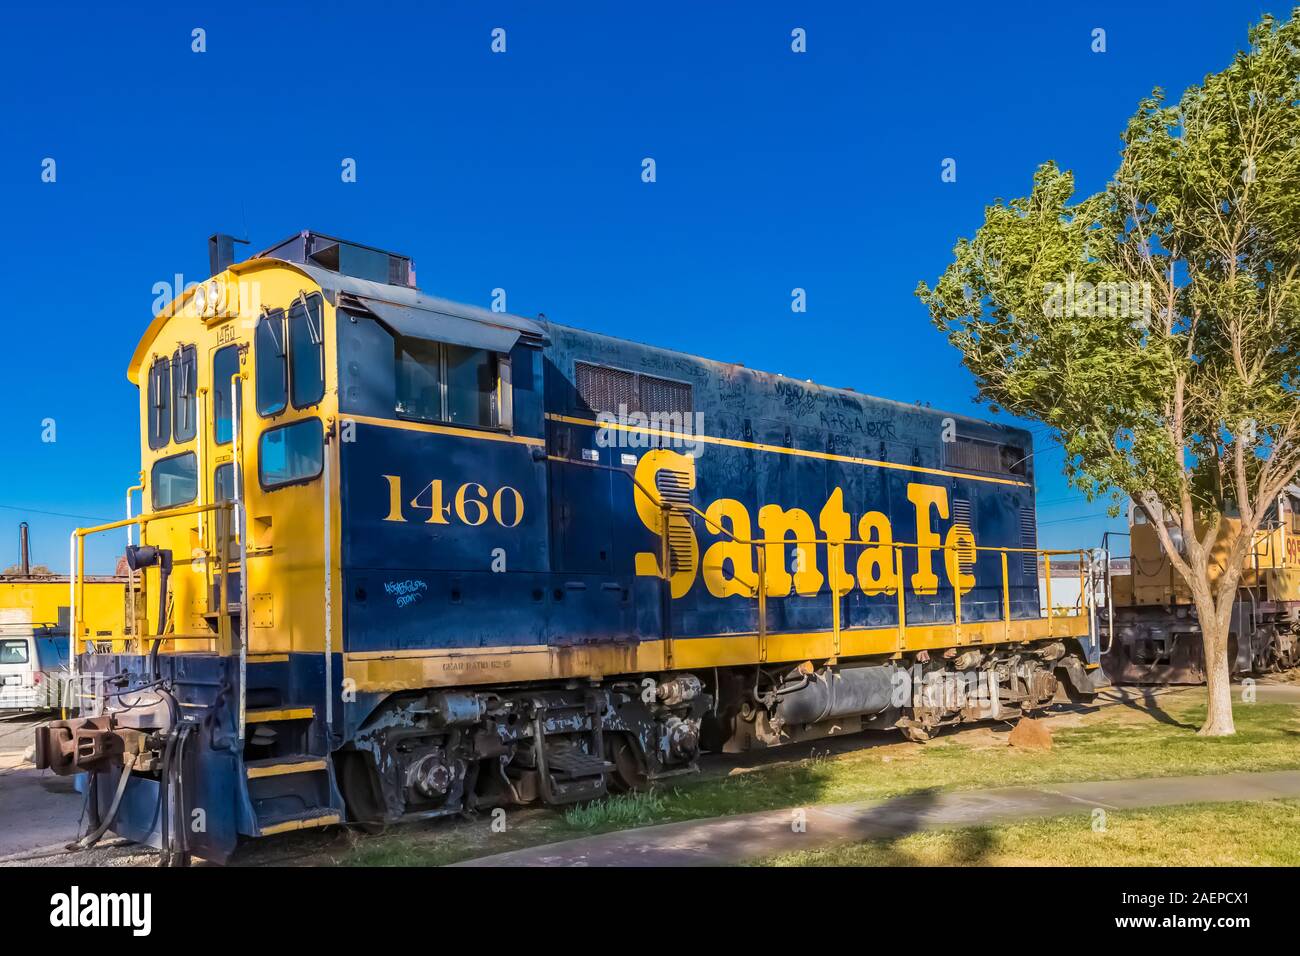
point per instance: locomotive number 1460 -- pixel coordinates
(471, 504)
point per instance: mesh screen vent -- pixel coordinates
(604, 389)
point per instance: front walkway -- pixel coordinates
(737, 839)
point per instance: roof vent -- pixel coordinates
(345, 258)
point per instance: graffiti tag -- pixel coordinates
(406, 592)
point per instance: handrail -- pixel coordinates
(897, 547)
(77, 575)
(1110, 589)
(328, 563)
(130, 540)
(241, 515)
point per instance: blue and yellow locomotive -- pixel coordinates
(402, 558)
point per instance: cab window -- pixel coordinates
(159, 402)
(223, 483)
(272, 364)
(419, 379)
(225, 364)
(306, 352)
(438, 382)
(174, 481)
(184, 392)
(471, 386)
(291, 454)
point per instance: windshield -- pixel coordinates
(13, 651)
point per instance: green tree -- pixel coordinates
(1155, 326)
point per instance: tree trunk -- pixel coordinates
(1218, 678)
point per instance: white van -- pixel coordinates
(31, 662)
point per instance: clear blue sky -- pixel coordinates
(522, 171)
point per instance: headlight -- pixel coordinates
(201, 300)
(216, 296)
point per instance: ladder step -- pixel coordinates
(263, 715)
(279, 766)
(575, 763)
(315, 817)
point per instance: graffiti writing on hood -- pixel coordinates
(406, 593)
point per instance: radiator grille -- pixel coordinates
(663, 395)
(604, 389)
(971, 454)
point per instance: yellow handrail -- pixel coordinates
(759, 547)
(141, 521)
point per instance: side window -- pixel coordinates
(159, 403)
(223, 483)
(471, 386)
(184, 393)
(291, 453)
(225, 364)
(174, 481)
(438, 382)
(419, 379)
(272, 364)
(306, 352)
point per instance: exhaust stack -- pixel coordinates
(221, 252)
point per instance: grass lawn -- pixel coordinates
(1156, 738)
(1265, 833)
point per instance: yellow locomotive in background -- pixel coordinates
(1153, 635)
(35, 626)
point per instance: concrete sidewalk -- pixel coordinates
(37, 809)
(724, 841)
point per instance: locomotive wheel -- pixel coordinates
(913, 730)
(628, 774)
(360, 786)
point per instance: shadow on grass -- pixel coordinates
(1146, 699)
(886, 828)
(970, 847)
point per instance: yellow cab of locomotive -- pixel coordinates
(1272, 567)
(189, 368)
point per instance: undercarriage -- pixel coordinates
(1153, 644)
(438, 752)
(446, 751)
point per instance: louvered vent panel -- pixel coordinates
(606, 389)
(673, 488)
(1028, 539)
(971, 455)
(961, 515)
(663, 395)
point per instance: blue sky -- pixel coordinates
(522, 171)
